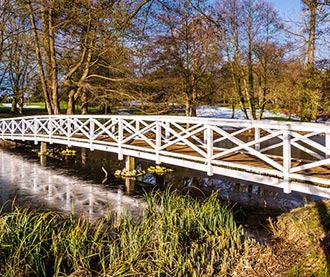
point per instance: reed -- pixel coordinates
(176, 236)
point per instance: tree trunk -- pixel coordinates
(42, 74)
(312, 5)
(250, 86)
(53, 63)
(20, 103)
(193, 108)
(188, 106)
(71, 102)
(84, 102)
(13, 108)
(238, 86)
(263, 103)
(233, 110)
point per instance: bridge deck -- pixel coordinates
(233, 159)
(293, 156)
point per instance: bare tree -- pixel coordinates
(316, 17)
(5, 15)
(18, 60)
(245, 26)
(186, 47)
(42, 14)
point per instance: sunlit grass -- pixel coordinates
(176, 236)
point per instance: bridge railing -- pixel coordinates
(287, 150)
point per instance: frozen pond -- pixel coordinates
(28, 183)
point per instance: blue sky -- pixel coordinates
(288, 9)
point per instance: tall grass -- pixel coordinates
(175, 236)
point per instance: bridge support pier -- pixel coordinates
(129, 163)
(129, 184)
(43, 148)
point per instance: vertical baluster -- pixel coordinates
(158, 140)
(35, 129)
(137, 126)
(120, 139)
(50, 130)
(256, 137)
(23, 129)
(209, 148)
(167, 131)
(91, 133)
(69, 130)
(327, 145)
(113, 127)
(286, 161)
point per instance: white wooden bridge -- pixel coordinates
(290, 155)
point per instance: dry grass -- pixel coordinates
(300, 246)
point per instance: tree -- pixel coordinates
(71, 38)
(5, 15)
(186, 48)
(42, 14)
(20, 67)
(249, 30)
(315, 14)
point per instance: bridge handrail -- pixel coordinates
(280, 125)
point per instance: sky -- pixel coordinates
(288, 9)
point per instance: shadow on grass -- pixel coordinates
(5, 112)
(324, 215)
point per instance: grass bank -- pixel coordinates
(176, 236)
(300, 245)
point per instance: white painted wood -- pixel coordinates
(208, 140)
(209, 147)
(120, 139)
(256, 138)
(286, 161)
(158, 141)
(327, 144)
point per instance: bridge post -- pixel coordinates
(129, 184)
(23, 125)
(158, 140)
(256, 137)
(91, 133)
(286, 161)
(327, 145)
(50, 130)
(129, 163)
(209, 149)
(167, 131)
(120, 139)
(69, 130)
(35, 130)
(42, 153)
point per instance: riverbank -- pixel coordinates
(176, 236)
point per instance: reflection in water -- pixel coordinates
(35, 185)
(49, 184)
